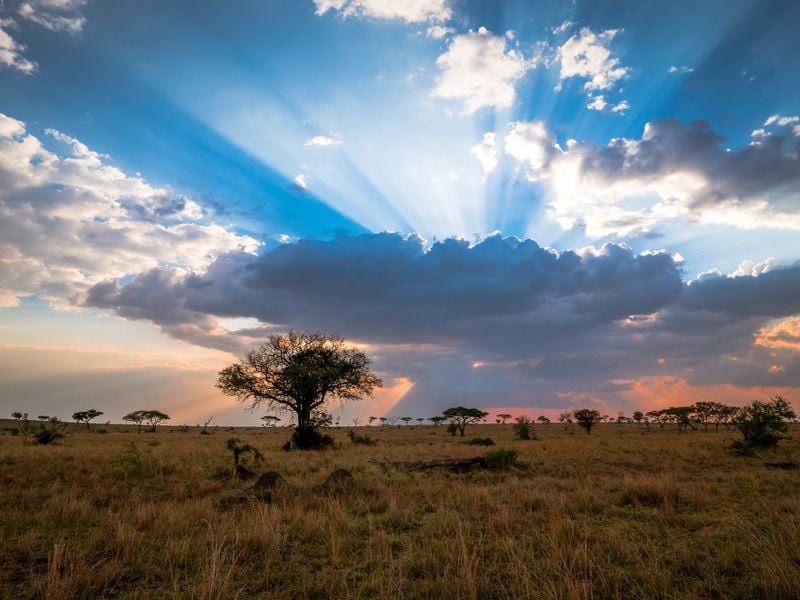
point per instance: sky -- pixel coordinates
(526, 207)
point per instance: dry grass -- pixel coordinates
(618, 514)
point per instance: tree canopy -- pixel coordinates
(300, 372)
(461, 416)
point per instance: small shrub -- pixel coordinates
(48, 432)
(309, 438)
(480, 442)
(523, 428)
(501, 459)
(364, 439)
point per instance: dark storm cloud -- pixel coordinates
(533, 321)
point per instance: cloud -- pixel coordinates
(486, 152)
(321, 141)
(11, 51)
(542, 324)
(55, 15)
(301, 181)
(674, 170)
(70, 221)
(437, 32)
(563, 28)
(587, 55)
(477, 69)
(681, 69)
(410, 11)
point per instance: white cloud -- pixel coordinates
(673, 171)
(782, 121)
(620, 107)
(486, 152)
(597, 103)
(11, 50)
(478, 70)
(300, 181)
(680, 69)
(566, 25)
(437, 32)
(55, 15)
(410, 11)
(531, 143)
(321, 141)
(68, 222)
(587, 55)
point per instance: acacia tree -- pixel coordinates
(461, 416)
(503, 418)
(151, 417)
(587, 418)
(137, 417)
(543, 420)
(84, 416)
(762, 423)
(638, 416)
(300, 372)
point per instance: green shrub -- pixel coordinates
(763, 423)
(480, 442)
(523, 428)
(360, 439)
(501, 459)
(308, 438)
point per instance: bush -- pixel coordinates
(360, 439)
(309, 438)
(523, 429)
(762, 423)
(480, 442)
(48, 432)
(501, 459)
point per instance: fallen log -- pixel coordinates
(458, 465)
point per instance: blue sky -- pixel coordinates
(197, 140)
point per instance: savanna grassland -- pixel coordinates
(620, 513)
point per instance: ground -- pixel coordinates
(621, 513)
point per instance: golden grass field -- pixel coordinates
(620, 513)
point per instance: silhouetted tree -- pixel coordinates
(638, 416)
(587, 418)
(565, 418)
(543, 420)
(137, 417)
(17, 415)
(300, 372)
(85, 416)
(682, 415)
(270, 420)
(406, 420)
(461, 416)
(523, 428)
(503, 418)
(438, 420)
(762, 423)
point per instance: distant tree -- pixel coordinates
(154, 418)
(763, 423)
(17, 415)
(420, 420)
(704, 411)
(137, 417)
(383, 421)
(461, 416)
(239, 448)
(543, 420)
(523, 428)
(300, 372)
(406, 420)
(638, 416)
(587, 418)
(356, 421)
(621, 418)
(503, 418)
(682, 415)
(206, 423)
(565, 418)
(372, 420)
(270, 420)
(85, 416)
(44, 417)
(438, 420)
